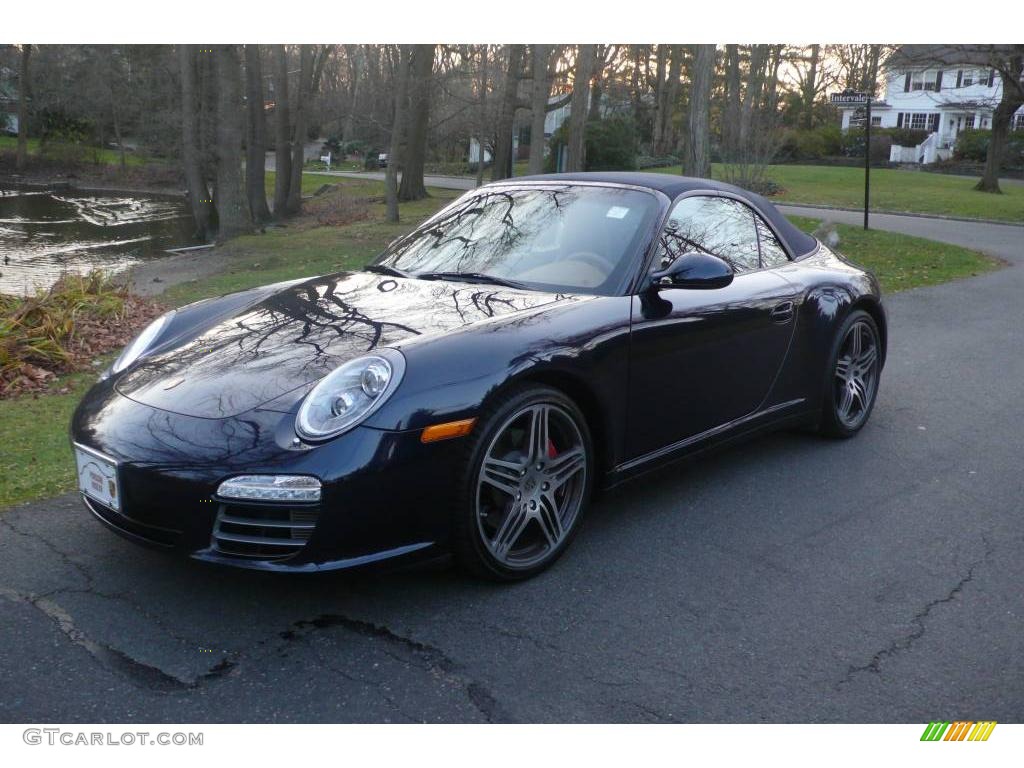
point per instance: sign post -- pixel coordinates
(860, 99)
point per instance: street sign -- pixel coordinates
(850, 98)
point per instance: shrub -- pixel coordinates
(881, 143)
(906, 137)
(801, 144)
(972, 145)
(611, 145)
(664, 161)
(62, 329)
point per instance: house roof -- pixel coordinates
(798, 242)
(945, 55)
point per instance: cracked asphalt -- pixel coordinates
(790, 579)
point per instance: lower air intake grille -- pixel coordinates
(263, 531)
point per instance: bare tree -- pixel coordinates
(421, 68)
(23, 80)
(810, 85)
(576, 158)
(507, 111)
(698, 154)
(232, 209)
(538, 104)
(397, 131)
(256, 136)
(282, 133)
(300, 113)
(731, 123)
(191, 152)
(481, 126)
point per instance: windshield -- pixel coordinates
(564, 238)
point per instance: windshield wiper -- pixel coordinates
(384, 269)
(471, 277)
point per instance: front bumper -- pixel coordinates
(385, 494)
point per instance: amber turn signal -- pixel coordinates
(447, 431)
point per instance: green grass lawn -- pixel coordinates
(900, 261)
(104, 156)
(891, 190)
(37, 462)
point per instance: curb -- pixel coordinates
(905, 214)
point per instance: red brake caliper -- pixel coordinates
(552, 453)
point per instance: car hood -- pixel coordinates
(299, 334)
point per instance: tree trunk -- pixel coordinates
(397, 129)
(576, 157)
(191, 155)
(22, 156)
(355, 58)
(597, 82)
(232, 209)
(482, 127)
(730, 130)
(421, 69)
(301, 110)
(282, 134)
(752, 96)
(538, 105)
(506, 113)
(810, 88)
(659, 100)
(668, 139)
(698, 148)
(255, 137)
(117, 133)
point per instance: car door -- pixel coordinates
(701, 358)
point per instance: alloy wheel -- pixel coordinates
(531, 485)
(856, 374)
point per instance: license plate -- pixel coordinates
(97, 477)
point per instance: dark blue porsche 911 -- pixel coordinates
(467, 393)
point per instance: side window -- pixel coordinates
(716, 225)
(772, 252)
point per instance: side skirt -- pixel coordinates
(788, 414)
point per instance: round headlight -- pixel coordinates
(349, 394)
(141, 343)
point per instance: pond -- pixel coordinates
(46, 233)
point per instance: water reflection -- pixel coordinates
(43, 234)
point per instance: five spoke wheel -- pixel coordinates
(853, 376)
(531, 485)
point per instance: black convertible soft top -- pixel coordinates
(799, 243)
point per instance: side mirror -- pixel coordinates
(694, 270)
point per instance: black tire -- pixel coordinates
(472, 543)
(835, 421)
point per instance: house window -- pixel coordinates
(969, 121)
(919, 121)
(1018, 122)
(968, 78)
(876, 121)
(928, 80)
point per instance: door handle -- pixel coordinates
(782, 313)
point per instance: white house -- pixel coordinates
(942, 101)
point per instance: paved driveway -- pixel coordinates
(792, 579)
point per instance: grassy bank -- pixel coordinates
(98, 155)
(891, 190)
(37, 462)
